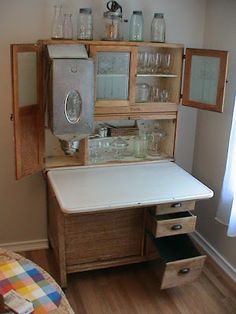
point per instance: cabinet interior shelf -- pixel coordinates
(112, 75)
(156, 75)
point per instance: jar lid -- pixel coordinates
(112, 15)
(85, 10)
(137, 12)
(142, 85)
(159, 15)
(119, 143)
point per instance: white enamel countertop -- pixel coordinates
(86, 189)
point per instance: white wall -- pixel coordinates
(213, 128)
(23, 203)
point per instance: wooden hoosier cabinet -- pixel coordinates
(108, 206)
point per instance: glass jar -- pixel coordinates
(112, 22)
(136, 26)
(142, 92)
(158, 28)
(67, 26)
(57, 24)
(85, 24)
(119, 146)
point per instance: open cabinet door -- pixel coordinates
(205, 78)
(28, 110)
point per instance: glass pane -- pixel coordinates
(73, 106)
(27, 78)
(113, 75)
(204, 79)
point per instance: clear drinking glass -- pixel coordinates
(166, 62)
(57, 24)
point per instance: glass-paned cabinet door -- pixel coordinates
(205, 78)
(27, 108)
(113, 76)
(158, 77)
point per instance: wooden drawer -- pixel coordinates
(170, 224)
(173, 207)
(181, 261)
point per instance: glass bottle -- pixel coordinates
(57, 24)
(136, 26)
(67, 26)
(158, 28)
(85, 24)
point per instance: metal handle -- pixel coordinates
(184, 271)
(176, 205)
(176, 227)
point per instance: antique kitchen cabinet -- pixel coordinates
(119, 210)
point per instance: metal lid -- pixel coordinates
(137, 12)
(159, 15)
(112, 15)
(85, 10)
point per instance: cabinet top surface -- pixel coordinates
(98, 188)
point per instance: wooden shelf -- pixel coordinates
(156, 75)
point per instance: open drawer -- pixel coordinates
(181, 261)
(176, 207)
(170, 224)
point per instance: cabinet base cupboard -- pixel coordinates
(93, 226)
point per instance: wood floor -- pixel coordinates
(134, 290)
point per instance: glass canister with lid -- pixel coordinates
(136, 28)
(158, 28)
(142, 92)
(85, 24)
(112, 22)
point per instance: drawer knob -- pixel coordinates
(184, 271)
(176, 205)
(176, 227)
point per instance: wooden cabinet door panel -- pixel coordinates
(27, 108)
(104, 236)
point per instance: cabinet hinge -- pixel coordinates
(184, 57)
(11, 117)
(181, 97)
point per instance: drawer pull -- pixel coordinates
(176, 205)
(176, 227)
(184, 271)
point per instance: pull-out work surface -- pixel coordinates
(86, 189)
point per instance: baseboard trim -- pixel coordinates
(26, 245)
(215, 255)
